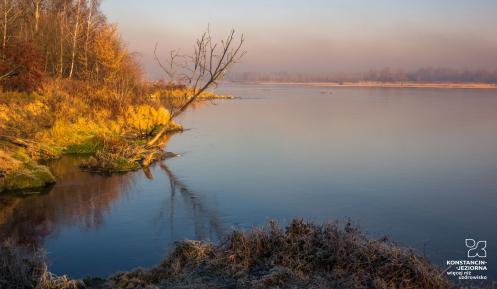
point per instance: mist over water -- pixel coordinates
(318, 36)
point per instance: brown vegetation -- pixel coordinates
(23, 58)
(304, 255)
(25, 268)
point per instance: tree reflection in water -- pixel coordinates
(78, 199)
(83, 200)
(206, 221)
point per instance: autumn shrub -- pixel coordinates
(26, 60)
(144, 119)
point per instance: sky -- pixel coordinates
(318, 36)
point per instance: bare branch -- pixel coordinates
(205, 68)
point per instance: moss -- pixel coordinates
(29, 176)
(89, 146)
(118, 165)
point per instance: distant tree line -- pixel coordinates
(431, 75)
(427, 74)
(66, 39)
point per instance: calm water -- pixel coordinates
(418, 165)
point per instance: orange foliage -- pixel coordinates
(27, 61)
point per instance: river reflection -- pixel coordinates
(206, 221)
(85, 201)
(78, 199)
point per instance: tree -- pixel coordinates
(64, 33)
(75, 37)
(10, 13)
(37, 14)
(206, 66)
(92, 5)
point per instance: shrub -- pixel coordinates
(144, 119)
(27, 61)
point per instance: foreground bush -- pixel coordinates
(24, 268)
(304, 255)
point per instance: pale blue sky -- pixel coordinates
(320, 36)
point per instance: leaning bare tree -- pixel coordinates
(203, 69)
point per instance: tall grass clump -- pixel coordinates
(25, 268)
(302, 255)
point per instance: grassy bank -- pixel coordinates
(303, 255)
(67, 117)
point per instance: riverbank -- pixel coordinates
(67, 117)
(302, 255)
(373, 84)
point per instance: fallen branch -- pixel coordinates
(11, 73)
(15, 141)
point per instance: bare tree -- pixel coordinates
(37, 14)
(75, 37)
(10, 14)
(171, 68)
(92, 5)
(204, 68)
(62, 22)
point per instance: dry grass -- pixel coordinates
(25, 268)
(304, 255)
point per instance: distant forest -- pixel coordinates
(382, 75)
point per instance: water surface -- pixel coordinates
(418, 165)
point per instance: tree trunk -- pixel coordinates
(5, 20)
(37, 15)
(62, 20)
(75, 39)
(88, 30)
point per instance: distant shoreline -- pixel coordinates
(374, 84)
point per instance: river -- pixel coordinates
(417, 165)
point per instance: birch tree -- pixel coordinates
(37, 14)
(10, 13)
(89, 25)
(75, 37)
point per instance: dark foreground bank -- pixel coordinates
(303, 255)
